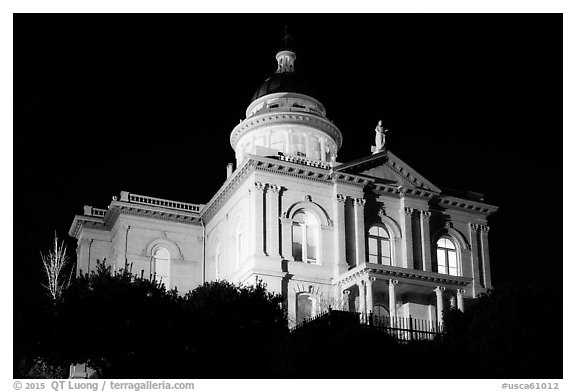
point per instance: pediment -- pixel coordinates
(387, 168)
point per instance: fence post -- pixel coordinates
(370, 318)
(411, 328)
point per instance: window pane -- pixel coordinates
(372, 246)
(312, 235)
(382, 232)
(449, 244)
(442, 242)
(297, 242)
(373, 259)
(385, 248)
(386, 261)
(373, 230)
(452, 263)
(299, 217)
(311, 252)
(441, 256)
(297, 251)
(297, 234)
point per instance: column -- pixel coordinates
(340, 233)
(425, 236)
(273, 213)
(407, 247)
(477, 283)
(359, 231)
(485, 256)
(362, 300)
(345, 300)
(392, 297)
(323, 149)
(460, 299)
(439, 290)
(286, 238)
(258, 216)
(453, 302)
(370, 295)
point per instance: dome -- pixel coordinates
(285, 80)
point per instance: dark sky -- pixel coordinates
(146, 103)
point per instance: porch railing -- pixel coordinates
(401, 328)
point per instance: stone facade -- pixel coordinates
(372, 235)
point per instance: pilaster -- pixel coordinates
(340, 233)
(286, 241)
(425, 237)
(475, 259)
(360, 242)
(273, 213)
(259, 216)
(407, 246)
(485, 256)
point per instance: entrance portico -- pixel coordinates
(400, 292)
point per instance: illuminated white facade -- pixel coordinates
(371, 235)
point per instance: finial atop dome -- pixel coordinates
(286, 59)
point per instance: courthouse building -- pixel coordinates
(371, 235)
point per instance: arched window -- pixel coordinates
(161, 266)
(379, 249)
(305, 233)
(381, 311)
(305, 307)
(447, 257)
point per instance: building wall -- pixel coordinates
(143, 234)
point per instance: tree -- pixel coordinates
(513, 332)
(124, 326)
(56, 262)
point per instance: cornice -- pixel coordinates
(291, 118)
(403, 275)
(104, 219)
(92, 222)
(456, 203)
(210, 209)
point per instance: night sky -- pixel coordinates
(146, 104)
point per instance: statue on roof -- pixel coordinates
(380, 138)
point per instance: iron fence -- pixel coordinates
(401, 328)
